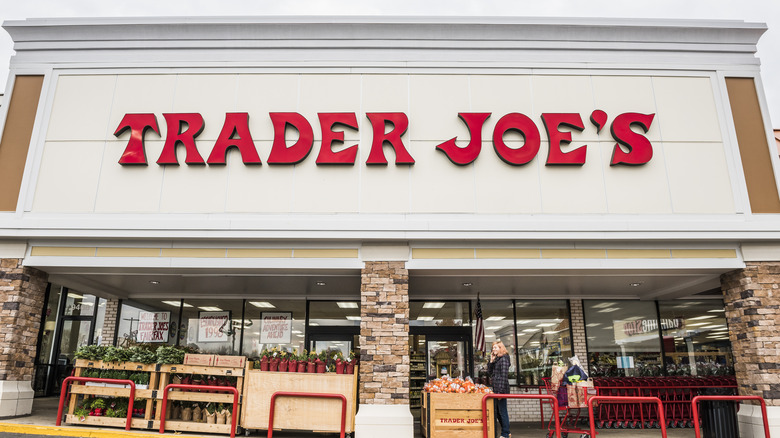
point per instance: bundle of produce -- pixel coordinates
(456, 386)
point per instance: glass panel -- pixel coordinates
(99, 319)
(417, 372)
(212, 326)
(446, 358)
(50, 324)
(439, 313)
(130, 322)
(79, 304)
(252, 325)
(334, 313)
(695, 332)
(623, 338)
(75, 334)
(543, 338)
(498, 317)
(330, 346)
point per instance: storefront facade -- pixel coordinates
(609, 185)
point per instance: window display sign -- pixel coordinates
(153, 326)
(639, 330)
(213, 326)
(275, 327)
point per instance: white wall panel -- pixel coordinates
(81, 109)
(574, 189)
(210, 95)
(636, 189)
(505, 189)
(330, 94)
(129, 189)
(435, 101)
(500, 95)
(698, 178)
(263, 188)
(564, 94)
(194, 189)
(69, 176)
(686, 109)
(261, 94)
(143, 94)
(437, 185)
(326, 189)
(616, 95)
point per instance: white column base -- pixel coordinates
(751, 424)
(16, 398)
(384, 421)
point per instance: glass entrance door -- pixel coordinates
(446, 358)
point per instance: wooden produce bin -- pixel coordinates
(78, 389)
(294, 413)
(166, 371)
(454, 415)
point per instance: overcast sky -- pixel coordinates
(766, 11)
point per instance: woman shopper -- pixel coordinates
(498, 368)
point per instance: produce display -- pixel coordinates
(145, 354)
(449, 385)
(111, 407)
(209, 413)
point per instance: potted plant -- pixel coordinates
(283, 361)
(338, 358)
(350, 367)
(265, 359)
(211, 413)
(303, 359)
(292, 362)
(98, 406)
(311, 365)
(274, 360)
(221, 414)
(321, 362)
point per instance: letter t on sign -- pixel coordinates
(135, 151)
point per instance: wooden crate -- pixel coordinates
(312, 414)
(454, 416)
(222, 397)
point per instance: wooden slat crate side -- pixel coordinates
(126, 366)
(191, 426)
(226, 398)
(110, 392)
(298, 413)
(208, 371)
(455, 415)
(136, 423)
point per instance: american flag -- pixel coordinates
(479, 333)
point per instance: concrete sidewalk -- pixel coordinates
(42, 423)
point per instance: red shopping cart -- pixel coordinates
(571, 413)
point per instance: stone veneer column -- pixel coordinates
(109, 322)
(22, 293)
(579, 340)
(752, 301)
(384, 352)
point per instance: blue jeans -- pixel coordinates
(503, 415)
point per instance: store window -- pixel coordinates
(498, 318)
(151, 321)
(623, 338)
(100, 316)
(439, 313)
(44, 366)
(334, 313)
(333, 326)
(273, 323)
(78, 304)
(212, 326)
(543, 338)
(696, 338)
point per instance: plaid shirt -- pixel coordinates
(499, 371)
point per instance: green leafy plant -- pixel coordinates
(98, 403)
(81, 412)
(116, 354)
(170, 355)
(90, 352)
(142, 354)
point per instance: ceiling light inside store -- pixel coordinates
(495, 318)
(295, 332)
(353, 318)
(347, 304)
(76, 296)
(533, 343)
(467, 284)
(493, 328)
(609, 310)
(701, 317)
(717, 311)
(546, 324)
(697, 324)
(299, 336)
(425, 318)
(263, 304)
(210, 308)
(593, 324)
(551, 333)
(603, 305)
(531, 330)
(720, 326)
(154, 282)
(490, 336)
(176, 303)
(320, 283)
(433, 305)
(524, 321)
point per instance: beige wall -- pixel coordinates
(80, 171)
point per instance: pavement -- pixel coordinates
(41, 423)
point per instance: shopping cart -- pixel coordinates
(571, 415)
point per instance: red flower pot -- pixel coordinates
(310, 367)
(320, 366)
(350, 369)
(274, 364)
(292, 366)
(339, 366)
(302, 367)
(283, 365)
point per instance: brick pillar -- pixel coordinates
(753, 312)
(579, 340)
(22, 292)
(109, 322)
(384, 334)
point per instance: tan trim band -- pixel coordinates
(16, 138)
(753, 146)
